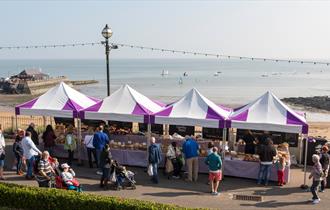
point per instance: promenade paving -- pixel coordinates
(197, 194)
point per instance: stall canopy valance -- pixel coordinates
(125, 104)
(268, 113)
(59, 101)
(193, 109)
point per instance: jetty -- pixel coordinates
(35, 82)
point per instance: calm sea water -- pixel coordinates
(238, 82)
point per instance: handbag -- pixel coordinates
(113, 177)
(150, 171)
(169, 166)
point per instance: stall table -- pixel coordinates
(235, 168)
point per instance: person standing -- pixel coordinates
(249, 142)
(324, 160)
(190, 149)
(266, 154)
(173, 154)
(100, 139)
(18, 152)
(316, 174)
(34, 134)
(2, 153)
(155, 157)
(105, 164)
(88, 141)
(70, 144)
(30, 151)
(280, 165)
(49, 139)
(214, 162)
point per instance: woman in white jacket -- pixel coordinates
(174, 155)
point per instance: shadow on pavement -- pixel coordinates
(275, 204)
(172, 194)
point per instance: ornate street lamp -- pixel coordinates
(107, 33)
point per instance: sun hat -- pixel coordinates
(65, 165)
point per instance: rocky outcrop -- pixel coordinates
(317, 102)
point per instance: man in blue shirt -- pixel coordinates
(190, 149)
(100, 139)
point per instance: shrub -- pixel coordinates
(23, 197)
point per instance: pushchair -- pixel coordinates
(121, 178)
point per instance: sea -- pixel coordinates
(229, 82)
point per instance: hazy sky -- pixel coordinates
(278, 29)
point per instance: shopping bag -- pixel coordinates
(169, 166)
(113, 177)
(150, 172)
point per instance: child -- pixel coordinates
(280, 164)
(68, 178)
(316, 174)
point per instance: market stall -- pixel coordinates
(59, 101)
(268, 113)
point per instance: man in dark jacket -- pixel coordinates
(35, 136)
(155, 157)
(266, 154)
(324, 160)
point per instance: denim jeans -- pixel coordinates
(30, 163)
(90, 152)
(264, 173)
(98, 155)
(155, 172)
(19, 163)
(314, 189)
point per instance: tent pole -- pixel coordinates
(149, 134)
(148, 139)
(16, 123)
(79, 140)
(224, 137)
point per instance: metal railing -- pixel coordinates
(11, 123)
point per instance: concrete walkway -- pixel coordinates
(197, 194)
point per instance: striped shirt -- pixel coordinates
(45, 166)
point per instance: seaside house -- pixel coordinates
(31, 74)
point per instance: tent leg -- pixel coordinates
(224, 137)
(16, 123)
(148, 140)
(79, 147)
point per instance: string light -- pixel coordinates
(165, 50)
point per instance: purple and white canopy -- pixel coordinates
(59, 101)
(193, 109)
(270, 114)
(125, 104)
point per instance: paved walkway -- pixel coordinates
(197, 194)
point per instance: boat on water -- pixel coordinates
(217, 73)
(264, 75)
(164, 72)
(180, 81)
(185, 74)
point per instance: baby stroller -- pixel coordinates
(121, 178)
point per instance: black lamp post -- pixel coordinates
(107, 33)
